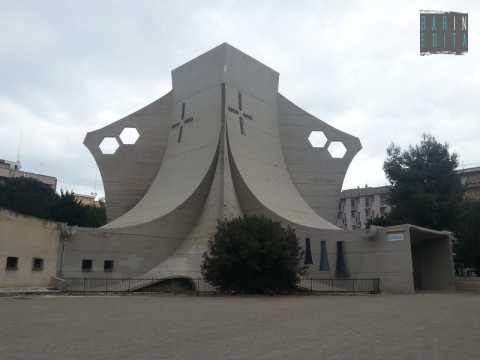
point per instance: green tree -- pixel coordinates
(425, 190)
(381, 221)
(32, 197)
(96, 215)
(69, 210)
(27, 196)
(467, 247)
(253, 254)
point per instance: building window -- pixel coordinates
(37, 264)
(383, 199)
(341, 267)
(367, 212)
(108, 266)
(12, 263)
(352, 203)
(87, 265)
(324, 265)
(308, 252)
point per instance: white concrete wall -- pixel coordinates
(366, 258)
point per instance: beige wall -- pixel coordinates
(366, 258)
(27, 237)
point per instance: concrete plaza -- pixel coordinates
(422, 326)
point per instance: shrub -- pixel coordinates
(32, 197)
(253, 254)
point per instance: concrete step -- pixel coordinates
(468, 284)
(27, 291)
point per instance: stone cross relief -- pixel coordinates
(241, 114)
(182, 123)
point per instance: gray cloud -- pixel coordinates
(70, 67)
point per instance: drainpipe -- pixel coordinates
(66, 231)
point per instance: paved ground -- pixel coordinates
(424, 326)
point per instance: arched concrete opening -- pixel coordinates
(432, 259)
(170, 285)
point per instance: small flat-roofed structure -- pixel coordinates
(432, 261)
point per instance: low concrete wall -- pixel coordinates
(367, 257)
(468, 283)
(27, 237)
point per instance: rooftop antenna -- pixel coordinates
(19, 145)
(94, 193)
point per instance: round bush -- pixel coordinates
(253, 254)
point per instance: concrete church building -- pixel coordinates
(222, 143)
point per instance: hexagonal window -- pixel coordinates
(108, 146)
(337, 150)
(317, 139)
(129, 136)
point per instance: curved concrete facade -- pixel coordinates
(317, 177)
(222, 143)
(128, 173)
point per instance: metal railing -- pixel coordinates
(200, 286)
(341, 285)
(137, 285)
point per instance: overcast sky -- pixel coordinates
(68, 67)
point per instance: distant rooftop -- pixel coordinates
(364, 191)
(468, 170)
(7, 164)
(12, 169)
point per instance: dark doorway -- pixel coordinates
(432, 259)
